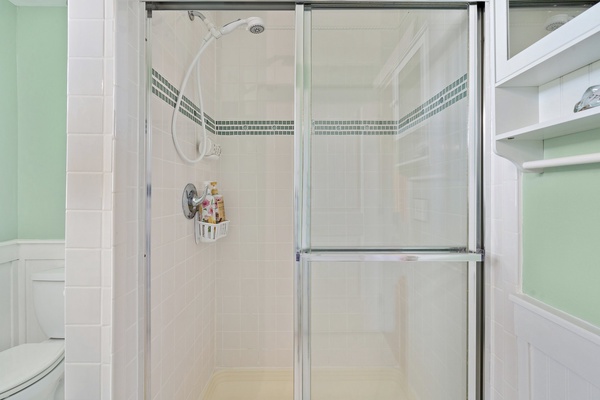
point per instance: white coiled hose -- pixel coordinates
(195, 62)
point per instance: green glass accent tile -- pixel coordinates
(443, 99)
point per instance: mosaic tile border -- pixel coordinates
(255, 128)
(169, 93)
(451, 94)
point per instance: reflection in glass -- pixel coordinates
(530, 21)
(389, 135)
(388, 331)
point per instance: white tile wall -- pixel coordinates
(86, 233)
(502, 243)
(353, 199)
(255, 78)
(502, 260)
(183, 272)
(255, 261)
(101, 255)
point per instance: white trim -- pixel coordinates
(566, 321)
(39, 3)
(42, 249)
(13, 250)
(9, 251)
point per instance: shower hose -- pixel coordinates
(195, 62)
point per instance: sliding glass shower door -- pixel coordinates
(388, 215)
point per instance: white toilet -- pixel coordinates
(35, 371)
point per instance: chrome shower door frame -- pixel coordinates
(304, 255)
(474, 254)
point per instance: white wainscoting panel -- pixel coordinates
(559, 355)
(8, 294)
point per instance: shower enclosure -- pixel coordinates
(350, 168)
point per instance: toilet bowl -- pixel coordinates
(35, 371)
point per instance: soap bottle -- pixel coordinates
(219, 204)
(208, 205)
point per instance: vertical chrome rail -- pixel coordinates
(146, 164)
(306, 202)
(298, 151)
(307, 129)
(302, 130)
(475, 228)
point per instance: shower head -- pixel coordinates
(193, 14)
(253, 24)
(556, 21)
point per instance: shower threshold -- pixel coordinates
(327, 384)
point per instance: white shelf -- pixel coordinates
(413, 161)
(576, 122)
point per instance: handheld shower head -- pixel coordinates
(253, 24)
(556, 21)
(192, 14)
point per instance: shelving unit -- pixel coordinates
(519, 133)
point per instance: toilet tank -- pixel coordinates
(49, 301)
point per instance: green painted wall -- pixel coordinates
(561, 230)
(42, 110)
(8, 121)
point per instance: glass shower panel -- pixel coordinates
(389, 154)
(388, 330)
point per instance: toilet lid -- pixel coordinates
(22, 365)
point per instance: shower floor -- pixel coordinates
(329, 384)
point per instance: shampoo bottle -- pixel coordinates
(208, 206)
(219, 204)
